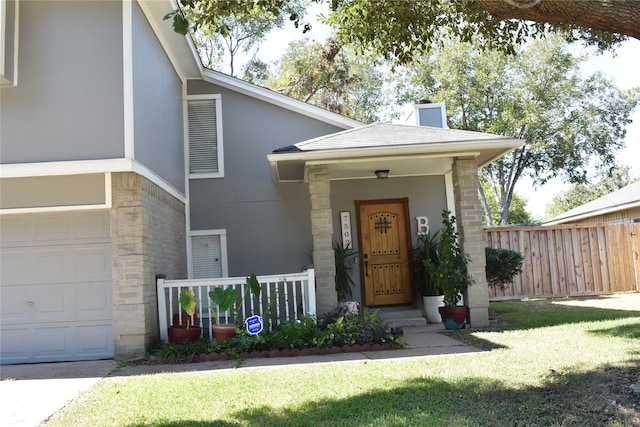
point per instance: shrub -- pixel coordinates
(332, 329)
(502, 266)
(450, 272)
(367, 327)
(427, 248)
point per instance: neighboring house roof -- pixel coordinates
(403, 149)
(186, 61)
(625, 198)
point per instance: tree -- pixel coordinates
(579, 194)
(402, 29)
(517, 213)
(569, 124)
(332, 77)
(228, 35)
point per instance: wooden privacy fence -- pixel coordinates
(570, 260)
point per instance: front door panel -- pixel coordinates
(384, 252)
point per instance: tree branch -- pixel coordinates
(617, 16)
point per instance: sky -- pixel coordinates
(622, 67)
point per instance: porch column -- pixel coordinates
(469, 221)
(322, 231)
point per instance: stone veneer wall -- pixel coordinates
(322, 231)
(148, 232)
(469, 221)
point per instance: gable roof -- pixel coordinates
(406, 150)
(624, 198)
(185, 59)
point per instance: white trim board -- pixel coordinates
(88, 166)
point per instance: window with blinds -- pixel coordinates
(206, 256)
(205, 145)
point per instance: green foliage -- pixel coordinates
(450, 273)
(517, 213)
(427, 248)
(223, 299)
(345, 259)
(333, 77)
(502, 266)
(403, 29)
(366, 327)
(187, 301)
(569, 123)
(296, 334)
(226, 298)
(239, 28)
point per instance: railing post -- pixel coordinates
(162, 308)
(311, 278)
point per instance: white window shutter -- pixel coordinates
(203, 136)
(207, 257)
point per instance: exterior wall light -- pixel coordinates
(382, 173)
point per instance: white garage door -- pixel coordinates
(55, 291)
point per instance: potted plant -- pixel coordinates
(226, 298)
(450, 274)
(425, 283)
(345, 258)
(189, 331)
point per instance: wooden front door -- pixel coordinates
(384, 241)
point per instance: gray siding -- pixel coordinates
(268, 225)
(68, 102)
(157, 93)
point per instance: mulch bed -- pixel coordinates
(206, 357)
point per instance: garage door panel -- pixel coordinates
(91, 226)
(53, 305)
(51, 228)
(49, 265)
(13, 304)
(15, 345)
(53, 265)
(14, 229)
(94, 302)
(13, 265)
(94, 339)
(52, 341)
(92, 262)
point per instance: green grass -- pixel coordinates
(547, 365)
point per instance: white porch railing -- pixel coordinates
(283, 297)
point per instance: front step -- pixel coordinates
(407, 317)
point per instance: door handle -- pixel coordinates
(366, 265)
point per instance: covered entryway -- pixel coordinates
(56, 287)
(401, 151)
(385, 244)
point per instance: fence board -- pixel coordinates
(635, 231)
(579, 259)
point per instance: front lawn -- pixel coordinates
(540, 368)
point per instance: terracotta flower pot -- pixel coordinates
(223, 331)
(180, 334)
(453, 317)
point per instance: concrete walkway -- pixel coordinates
(29, 394)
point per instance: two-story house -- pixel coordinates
(122, 158)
